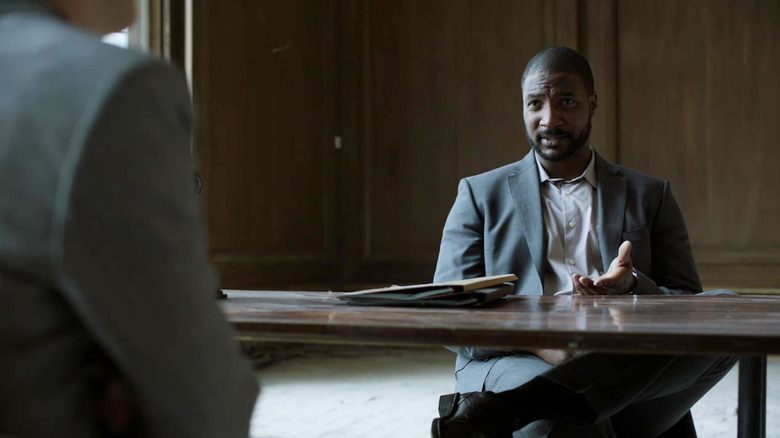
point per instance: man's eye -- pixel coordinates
(533, 104)
(568, 102)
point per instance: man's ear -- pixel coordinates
(594, 103)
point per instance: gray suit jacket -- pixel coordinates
(496, 226)
(101, 246)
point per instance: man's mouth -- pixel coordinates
(553, 140)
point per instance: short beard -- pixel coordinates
(575, 145)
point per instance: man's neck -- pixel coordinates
(567, 169)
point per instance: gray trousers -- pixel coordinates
(632, 395)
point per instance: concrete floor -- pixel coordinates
(360, 393)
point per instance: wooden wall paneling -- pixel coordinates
(697, 91)
(410, 133)
(495, 42)
(351, 46)
(598, 43)
(589, 26)
(351, 16)
(201, 60)
(561, 23)
(263, 77)
(354, 82)
(155, 36)
(175, 32)
(423, 93)
(166, 32)
(441, 96)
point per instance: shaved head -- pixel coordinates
(560, 59)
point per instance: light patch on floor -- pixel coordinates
(393, 393)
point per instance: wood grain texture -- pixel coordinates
(412, 122)
(266, 136)
(426, 92)
(636, 324)
(598, 22)
(697, 95)
(441, 101)
(562, 23)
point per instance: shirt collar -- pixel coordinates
(589, 174)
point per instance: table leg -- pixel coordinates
(751, 412)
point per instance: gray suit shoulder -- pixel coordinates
(55, 81)
(637, 178)
(528, 163)
(497, 177)
(51, 56)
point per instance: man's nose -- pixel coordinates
(550, 118)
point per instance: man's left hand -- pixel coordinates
(618, 280)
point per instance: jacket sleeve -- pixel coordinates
(461, 254)
(131, 259)
(673, 268)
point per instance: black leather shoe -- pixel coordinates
(473, 415)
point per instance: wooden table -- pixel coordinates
(747, 326)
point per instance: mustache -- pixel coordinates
(552, 133)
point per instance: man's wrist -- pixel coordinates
(632, 291)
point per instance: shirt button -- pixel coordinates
(572, 224)
(568, 192)
(572, 262)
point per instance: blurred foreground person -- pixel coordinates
(108, 323)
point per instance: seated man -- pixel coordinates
(108, 322)
(557, 219)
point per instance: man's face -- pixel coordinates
(557, 111)
(99, 16)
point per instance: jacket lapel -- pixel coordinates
(611, 209)
(524, 186)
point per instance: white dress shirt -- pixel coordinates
(570, 223)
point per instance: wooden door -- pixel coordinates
(263, 79)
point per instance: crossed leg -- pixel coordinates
(601, 394)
